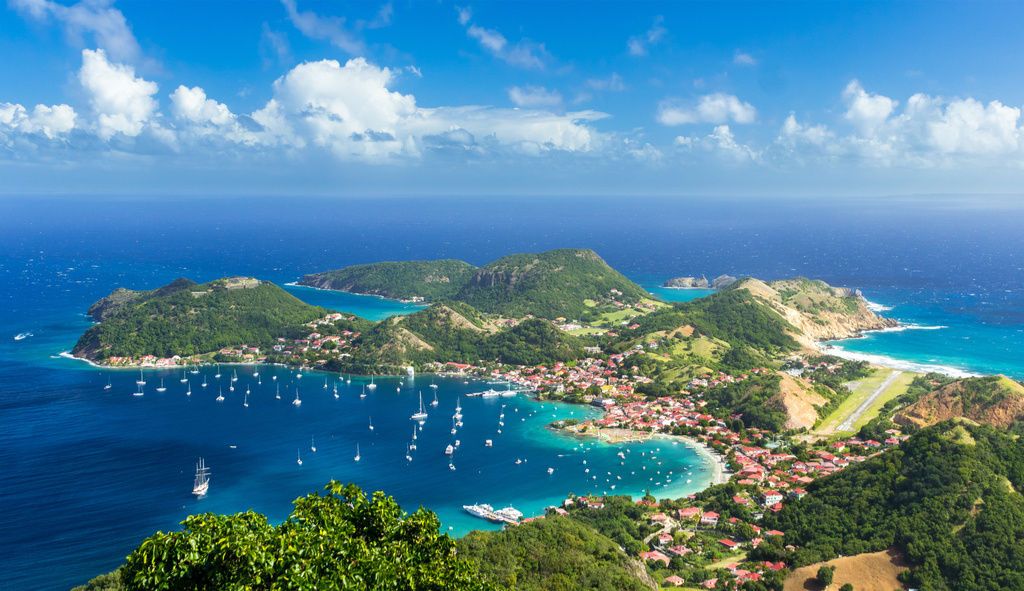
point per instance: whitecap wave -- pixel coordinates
(903, 364)
(876, 307)
(904, 327)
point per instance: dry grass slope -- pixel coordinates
(866, 572)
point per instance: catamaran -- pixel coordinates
(371, 384)
(296, 402)
(161, 388)
(202, 483)
(109, 385)
(141, 381)
(421, 415)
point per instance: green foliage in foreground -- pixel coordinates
(556, 553)
(108, 582)
(946, 497)
(340, 540)
(182, 324)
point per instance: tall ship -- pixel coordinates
(202, 483)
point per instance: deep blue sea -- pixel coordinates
(87, 473)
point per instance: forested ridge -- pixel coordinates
(432, 280)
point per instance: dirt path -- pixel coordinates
(853, 417)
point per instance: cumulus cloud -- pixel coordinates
(524, 54)
(106, 25)
(614, 82)
(710, 108)
(465, 14)
(866, 111)
(638, 45)
(743, 59)
(721, 144)
(121, 102)
(535, 97)
(49, 121)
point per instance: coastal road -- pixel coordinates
(853, 417)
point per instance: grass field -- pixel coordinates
(861, 390)
(866, 572)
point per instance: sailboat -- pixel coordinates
(139, 393)
(202, 483)
(296, 402)
(204, 381)
(335, 389)
(183, 378)
(371, 385)
(141, 381)
(312, 443)
(161, 388)
(195, 369)
(348, 380)
(421, 415)
(189, 392)
(325, 382)
(363, 395)
(217, 375)
(220, 396)
(247, 390)
(246, 404)
(412, 445)
(256, 372)
(234, 375)
(458, 407)
(453, 425)
(299, 454)
(407, 456)
(433, 385)
(357, 452)
(371, 423)
(109, 385)
(434, 403)
(279, 391)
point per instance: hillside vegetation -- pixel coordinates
(549, 285)
(181, 323)
(432, 280)
(946, 497)
(993, 400)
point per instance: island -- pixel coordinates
(827, 470)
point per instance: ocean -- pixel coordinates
(88, 473)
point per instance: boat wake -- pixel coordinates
(22, 336)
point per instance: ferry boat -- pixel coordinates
(202, 483)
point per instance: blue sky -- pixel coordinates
(503, 98)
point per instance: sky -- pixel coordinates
(297, 97)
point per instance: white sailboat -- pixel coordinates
(256, 372)
(299, 454)
(220, 395)
(202, 482)
(312, 443)
(434, 403)
(195, 369)
(363, 395)
(189, 391)
(433, 385)
(296, 402)
(109, 385)
(246, 404)
(141, 381)
(325, 382)
(204, 381)
(161, 388)
(183, 378)
(139, 393)
(279, 391)
(371, 423)
(412, 445)
(348, 380)
(357, 453)
(217, 375)
(421, 415)
(336, 389)
(458, 407)
(371, 385)
(407, 456)
(234, 375)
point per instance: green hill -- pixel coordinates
(946, 497)
(993, 400)
(432, 280)
(550, 284)
(195, 319)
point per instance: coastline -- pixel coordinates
(368, 295)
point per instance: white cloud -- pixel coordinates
(866, 111)
(274, 45)
(192, 105)
(720, 144)
(330, 28)
(743, 59)
(638, 44)
(524, 54)
(383, 17)
(612, 83)
(710, 108)
(121, 102)
(107, 25)
(967, 126)
(50, 121)
(414, 70)
(535, 97)
(465, 14)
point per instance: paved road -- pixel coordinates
(853, 417)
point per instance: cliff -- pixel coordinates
(816, 310)
(993, 400)
(687, 283)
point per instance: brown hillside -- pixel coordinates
(866, 572)
(995, 400)
(797, 400)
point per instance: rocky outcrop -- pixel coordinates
(722, 281)
(687, 283)
(798, 402)
(994, 400)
